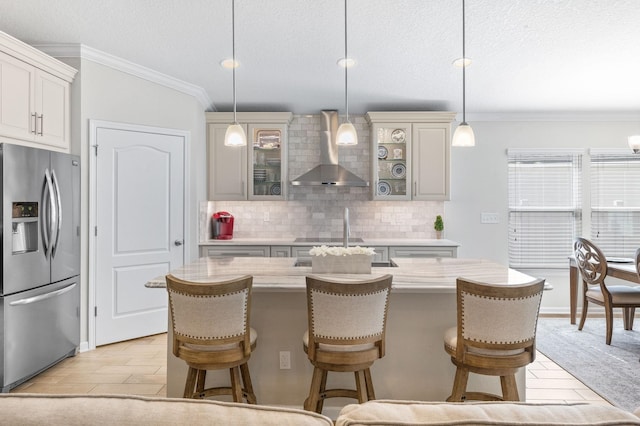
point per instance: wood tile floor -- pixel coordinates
(138, 367)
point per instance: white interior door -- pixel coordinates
(139, 200)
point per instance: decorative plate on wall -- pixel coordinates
(398, 136)
(399, 170)
(382, 152)
(384, 188)
(275, 189)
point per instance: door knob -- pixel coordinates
(178, 242)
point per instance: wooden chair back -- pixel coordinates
(591, 262)
(210, 320)
(497, 323)
(347, 313)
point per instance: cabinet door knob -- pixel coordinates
(178, 242)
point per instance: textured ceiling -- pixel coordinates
(529, 56)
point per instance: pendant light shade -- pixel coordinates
(463, 136)
(634, 143)
(235, 135)
(346, 134)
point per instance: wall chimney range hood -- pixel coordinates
(329, 172)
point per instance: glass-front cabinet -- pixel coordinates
(252, 172)
(267, 160)
(391, 165)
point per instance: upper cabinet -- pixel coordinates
(410, 155)
(257, 171)
(34, 96)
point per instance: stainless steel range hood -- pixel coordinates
(329, 172)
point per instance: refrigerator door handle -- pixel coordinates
(58, 216)
(45, 296)
(46, 214)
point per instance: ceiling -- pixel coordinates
(529, 56)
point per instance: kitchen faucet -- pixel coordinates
(346, 230)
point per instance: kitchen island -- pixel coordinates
(422, 306)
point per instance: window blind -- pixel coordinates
(615, 202)
(544, 207)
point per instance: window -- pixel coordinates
(544, 207)
(615, 202)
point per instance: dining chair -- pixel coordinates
(592, 264)
(495, 335)
(347, 326)
(210, 323)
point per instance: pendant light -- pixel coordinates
(463, 136)
(346, 134)
(634, 143)
(235, 135)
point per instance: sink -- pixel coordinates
(376, 264)
(326, 240)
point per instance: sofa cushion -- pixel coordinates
(73, 410)
(481, 413)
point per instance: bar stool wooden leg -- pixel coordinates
(190, 385)
(311, 403)
(323, 389)
(509, 388)
(361, 386)
(249, 395)
(236, 386)
(459, 385)
(202, 375)
(369, 383)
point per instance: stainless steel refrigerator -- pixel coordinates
(40, 287)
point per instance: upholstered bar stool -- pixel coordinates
(495, 335)
(347, 325)
(211, 332)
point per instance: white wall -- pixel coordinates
(104, 93)
(479, 184)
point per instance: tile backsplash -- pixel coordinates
(318, 211)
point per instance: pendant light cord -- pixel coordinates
(464, 67)
(346, 67)
(233, 54)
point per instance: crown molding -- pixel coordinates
(85, 52)
(36, 57)
(564, 116)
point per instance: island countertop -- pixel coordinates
(412, 275)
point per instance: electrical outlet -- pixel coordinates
(489, 218)
(285, 360)
(266, 217)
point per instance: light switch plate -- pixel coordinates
(489, 218)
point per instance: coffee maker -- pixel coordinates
(222, 226)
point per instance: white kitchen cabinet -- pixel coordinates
(235, 251)
(420, 251)
(411, 155)
(257, 171)
(280, 251)
(34, 96)
(430, 161)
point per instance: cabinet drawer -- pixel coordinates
(280, 251)
(399, 251)
(237, 251)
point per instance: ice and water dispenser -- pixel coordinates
(24, 227)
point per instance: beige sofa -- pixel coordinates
(72, 410)
(482, 413)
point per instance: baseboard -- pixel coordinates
(84, 347)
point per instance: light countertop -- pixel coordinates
(412, 275)
(365, 242)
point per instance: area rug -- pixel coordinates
(612, 371)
